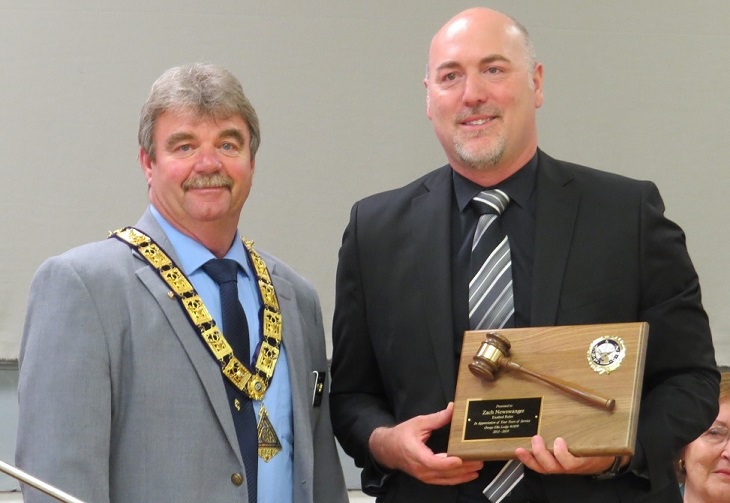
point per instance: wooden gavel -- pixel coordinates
(494, 354)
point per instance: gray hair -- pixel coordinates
(203, 89)
(527, 42)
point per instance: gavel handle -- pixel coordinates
(599, 401)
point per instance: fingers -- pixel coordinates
(442, 469)
(458, 475)
(403, 447)
(579, 465)
(430, 422)
(565, 459)
(540, 459)
(560, 460)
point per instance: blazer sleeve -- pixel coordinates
(317, 470)
(329, 481)
(680, 370)
(64, 362)
(358, 404)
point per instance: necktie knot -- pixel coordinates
(492, 201)
(222, 270)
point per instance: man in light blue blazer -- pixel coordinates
(125, 393)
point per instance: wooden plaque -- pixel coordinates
(492, 418)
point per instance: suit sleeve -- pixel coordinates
(358, 401)
(680, 389)
(329, 481)
(64, 389)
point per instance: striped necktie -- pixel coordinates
(491, 300)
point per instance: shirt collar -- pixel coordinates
(519, 187)
(192, 254)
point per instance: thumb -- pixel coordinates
(441, 418)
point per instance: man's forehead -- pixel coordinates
(464, 40)
(182, 119)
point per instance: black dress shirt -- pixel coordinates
(518, 223)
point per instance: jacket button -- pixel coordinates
(237, 479)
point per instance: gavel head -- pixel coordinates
(492, 354)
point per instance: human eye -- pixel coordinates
(448, 78)
(183, 149)
(716, 433)
(230, 148)
(493, 71)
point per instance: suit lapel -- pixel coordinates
(430, 220)
(301, 381)
(200, 358)
(557, 208)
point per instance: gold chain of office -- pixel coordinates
(254, 384)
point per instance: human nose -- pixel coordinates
(726, 447)
(208, 159)
(475, 90)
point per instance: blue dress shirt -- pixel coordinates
(275, 478)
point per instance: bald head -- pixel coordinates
(482, 18)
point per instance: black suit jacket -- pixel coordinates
(604, 253)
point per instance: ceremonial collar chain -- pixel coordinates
(254, 384)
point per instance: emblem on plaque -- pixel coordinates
(605, 354)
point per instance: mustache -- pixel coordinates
(214, 180)
(478, 110)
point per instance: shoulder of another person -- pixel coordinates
(594, 176)
(407, 191)
(384, 208)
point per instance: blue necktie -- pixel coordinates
(235, 329)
